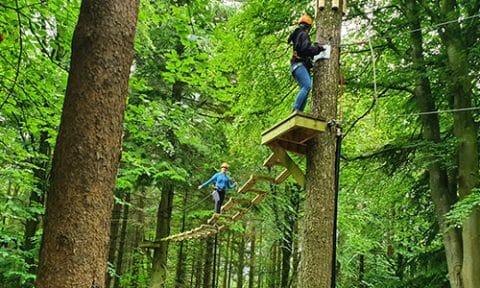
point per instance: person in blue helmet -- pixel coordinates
(222, 183)
(301, 62)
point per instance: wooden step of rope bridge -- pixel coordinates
(289, 135)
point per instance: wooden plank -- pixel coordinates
(148, 244)
(298, 119)
(217, 216)
(283, 176)
(250, 182)
(289, 146)
(296, 172)
(272, 160)
(238, 216)
(207, 227)
(228, 205)
(259, 198)
(222, 228)
(264, 178)
(299, 135)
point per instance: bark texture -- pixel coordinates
(318, 234)
(75, 242)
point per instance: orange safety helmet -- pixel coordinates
(305, 19)
(225, 165)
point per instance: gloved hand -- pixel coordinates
(321, 47)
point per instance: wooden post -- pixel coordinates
(319, 219)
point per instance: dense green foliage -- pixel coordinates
(230, 61)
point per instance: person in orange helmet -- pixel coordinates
(222, 183)
(301, 62)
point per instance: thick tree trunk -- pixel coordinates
(164, 216)
(121, 244)
(466, 130)
(442, 198)
(317, 265)
(75, 242)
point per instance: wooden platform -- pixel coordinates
(293, 132)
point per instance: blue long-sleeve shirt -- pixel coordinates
(221, 180)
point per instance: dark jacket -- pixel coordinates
(303, 51)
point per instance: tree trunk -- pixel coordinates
(317, 257)
(180, 270)
(198, 271)
(241, 261)
(164, 216)
(114, 227)
(272, 276)
(88, 147)
(36, 200)
(230, 269)
(441, 196)
(207, 268)
(361, 270)
(287, 239)
(251, 274)
(139, 235)
(219, 264)
(466, 130)
(260, 256)
(227, 259)
(121, 244)
(295, 202)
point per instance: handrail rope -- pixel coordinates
(466, 109)
(195, 204)
(410, 31)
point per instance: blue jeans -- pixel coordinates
(302, 76)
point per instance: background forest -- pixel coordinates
(207, 78)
